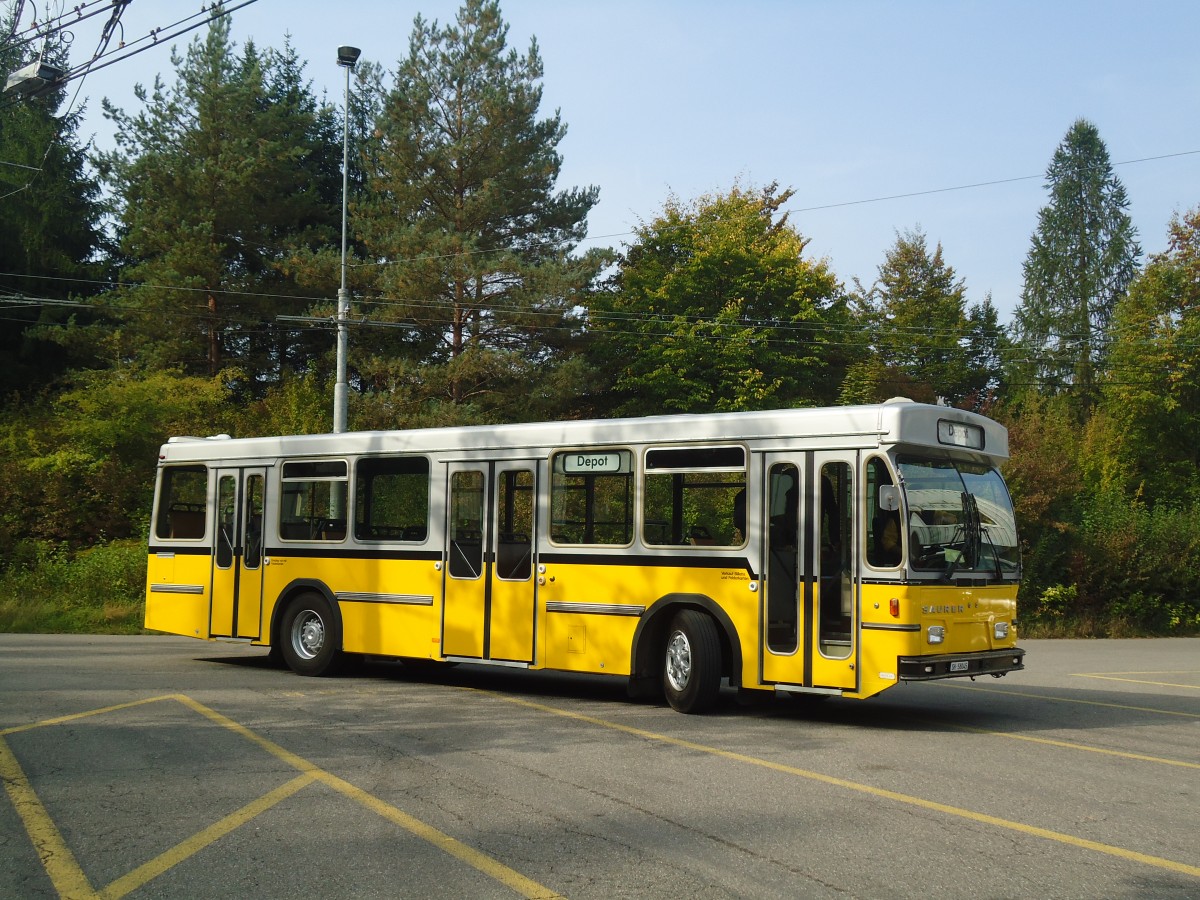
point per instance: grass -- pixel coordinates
(95, 591)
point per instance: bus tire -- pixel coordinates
(310, 636)
(692, 662)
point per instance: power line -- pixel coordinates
(669, 324)
(974, 185)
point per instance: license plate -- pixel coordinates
(960, 665)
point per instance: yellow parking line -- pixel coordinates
(907, 799)
(1118, 677)
(70, 882)
(526, 887)
(1068, 745)
(57, 859)
(296, 762)
(197, 842)
(1076, 700)
(59, 720)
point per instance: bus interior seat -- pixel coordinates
(186, 522)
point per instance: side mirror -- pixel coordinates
(889, 497)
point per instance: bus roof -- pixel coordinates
(898, 421)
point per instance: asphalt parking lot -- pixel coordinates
(166, 767)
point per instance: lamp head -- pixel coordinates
(348, 56)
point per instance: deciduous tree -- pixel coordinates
(1153, 389)
(715, 307)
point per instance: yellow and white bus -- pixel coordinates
(822, 551)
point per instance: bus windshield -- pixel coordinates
(960, 518)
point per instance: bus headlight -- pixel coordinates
(936, 634)
(1001, 631)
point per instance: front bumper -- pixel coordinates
(959, 665)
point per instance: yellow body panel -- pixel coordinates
(177, 593)
(589, 643)
(512, 620)
(250, 622)
(637, 586)
(389, 629)
(968, 615)
(465, 601)
(398, 607)
(395, 608)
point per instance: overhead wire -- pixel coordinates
(669, 323)
(248, 326)
(116, 8)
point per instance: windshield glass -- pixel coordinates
(960, 518)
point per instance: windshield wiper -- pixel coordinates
(971, 530)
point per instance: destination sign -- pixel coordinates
(580, 463)
(959, 434)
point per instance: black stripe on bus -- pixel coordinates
(189, 550)
(341, 552)
(689, 561)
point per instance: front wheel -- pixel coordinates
(692, 664)
(310, 636)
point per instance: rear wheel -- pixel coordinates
(310, 636)
(692, 662)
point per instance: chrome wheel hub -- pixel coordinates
(308, 634)
(679, 660)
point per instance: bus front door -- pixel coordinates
(831, 537)
(783, 567)
(489, 593)
(237, 582)
(809, 603)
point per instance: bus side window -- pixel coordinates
(182, 504)
(591, 497)
(391, 498)
(314, 501)
(694, 496)
(883, 537)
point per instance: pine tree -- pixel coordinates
(916, 315)
(921, 339)
(475, 244)
(1082, 258)
(50, 229)
(221, 180)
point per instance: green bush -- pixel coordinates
(94, 591)
(1136, 565)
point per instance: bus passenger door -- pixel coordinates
(466, 588)
(783, 568)
(489, 594)
(831, 538)
(237, 583)
(511, 605)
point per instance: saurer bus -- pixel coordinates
(831, 551)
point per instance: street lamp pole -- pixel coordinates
(347, 57)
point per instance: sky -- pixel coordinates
(877, 114)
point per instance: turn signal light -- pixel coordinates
(894, 607)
